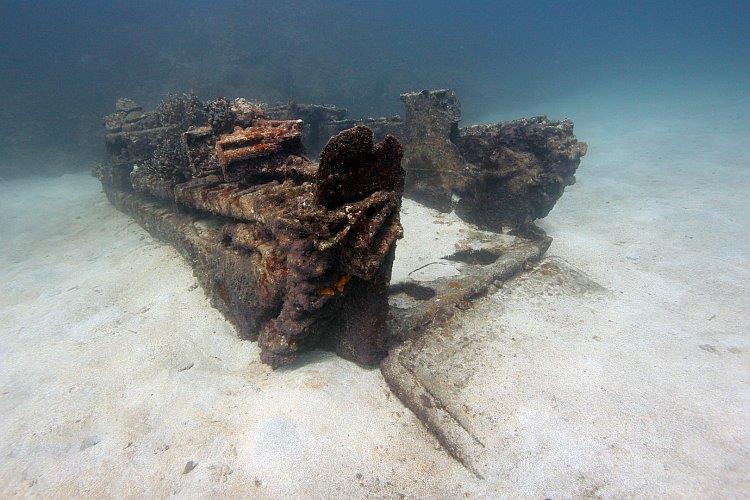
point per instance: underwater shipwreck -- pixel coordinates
(298, 254)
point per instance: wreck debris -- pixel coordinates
(157, 175)
(134, 136)
(220, 116)
(198, 144)
(381, 127)
(295, 255)
(115, 175)
(435, 171)
(423, 324)
(181, 111)
(506, 174)
(287, 247)
(124, 105)
(314, 117)
(251, 151)
(497, 258)
(323, 121)
(150, 182)
(312, 114)
(351, 167)
(500, 177)
(124, 146)
(246, 112)
(432, 371)
(522, 169)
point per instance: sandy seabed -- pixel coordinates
(117, 378)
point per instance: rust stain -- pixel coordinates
(337, 287)
(275, 267)
(262, 139)
(341, 283)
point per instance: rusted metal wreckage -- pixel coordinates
(294, 254)
(298, 254)
(500, 175)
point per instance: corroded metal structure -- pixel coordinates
(295, 254)
(501, 176)
(298, 254)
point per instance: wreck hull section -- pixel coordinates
(497, 176)
(500, 177)
(521, 169)
(295, 254)
(353, 324)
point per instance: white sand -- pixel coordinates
(643, 391)
(115, 371)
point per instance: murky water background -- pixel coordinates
(64, 63)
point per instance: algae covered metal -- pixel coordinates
(500, 176)
(298, 254)
(295, 254)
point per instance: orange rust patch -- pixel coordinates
(338, 287)
(341, 283)
(262, 139)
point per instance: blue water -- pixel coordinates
(62, 64)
